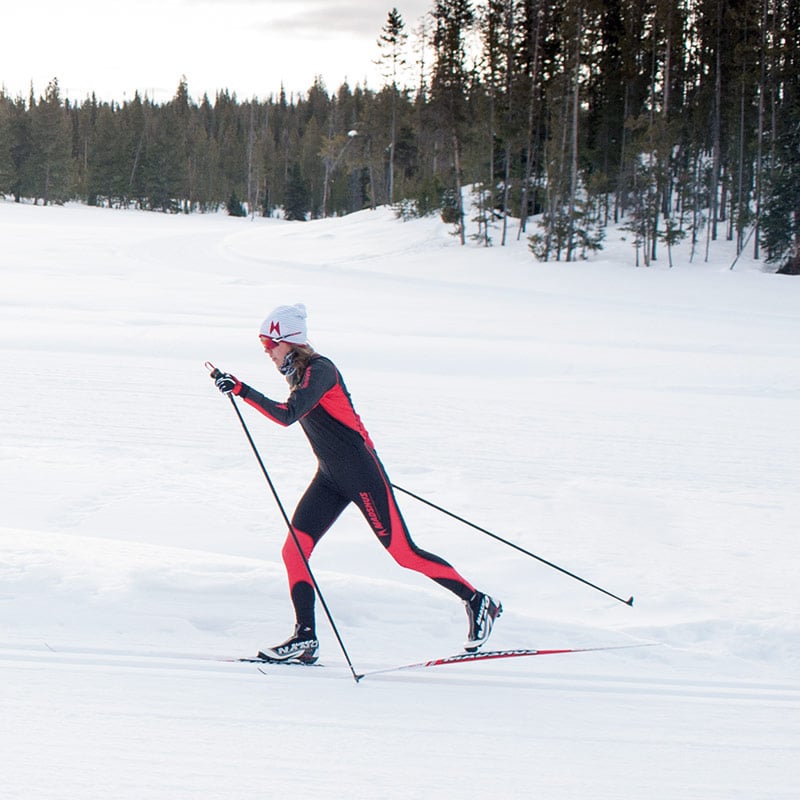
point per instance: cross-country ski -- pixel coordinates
(488, 655)
(272, 662)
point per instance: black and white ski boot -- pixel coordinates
(482, 611)
(300, 648)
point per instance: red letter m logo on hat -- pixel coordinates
(275, 327)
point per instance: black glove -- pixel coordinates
(227, 383)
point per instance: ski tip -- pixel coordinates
(629, 601)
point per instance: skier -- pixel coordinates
(349, 471)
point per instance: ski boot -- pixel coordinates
(482, 611)
(300, 648)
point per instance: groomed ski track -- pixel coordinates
(161, 702)
(496, 671)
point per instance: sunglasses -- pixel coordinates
(269, 343)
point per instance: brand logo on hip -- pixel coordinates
(372, 514)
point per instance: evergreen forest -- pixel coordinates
(677, 119)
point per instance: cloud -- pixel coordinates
(310, 19)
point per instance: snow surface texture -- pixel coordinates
(639, 427)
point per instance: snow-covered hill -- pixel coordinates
(638, 427)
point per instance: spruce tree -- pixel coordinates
(780, 224)
(392, 43)
(51, 164)
(297, 204)
(6, 164)
(452, 21)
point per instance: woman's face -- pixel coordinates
(276, 351)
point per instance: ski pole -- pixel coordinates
(628, 602)
(214, 374)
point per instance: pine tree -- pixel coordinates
(297, 204)
(392, 42)
(532, 35)
(6, 163)
(107, 178)
(133, 126)
(452, 20)
(51, 164)
(568, 226)
(234, 206)
(780, 224)
(780, 218)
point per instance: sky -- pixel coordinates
(250, 47)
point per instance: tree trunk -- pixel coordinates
(534, 35)
(573, 165)
(459, 193)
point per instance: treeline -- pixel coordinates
(675, 118)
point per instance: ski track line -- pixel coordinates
(710, 690)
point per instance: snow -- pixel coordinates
(637, 427)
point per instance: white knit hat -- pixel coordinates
(286, 324)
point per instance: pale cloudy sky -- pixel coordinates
(249, 47)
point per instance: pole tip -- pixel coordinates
(629, 601)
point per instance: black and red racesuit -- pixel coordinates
(349, 472)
